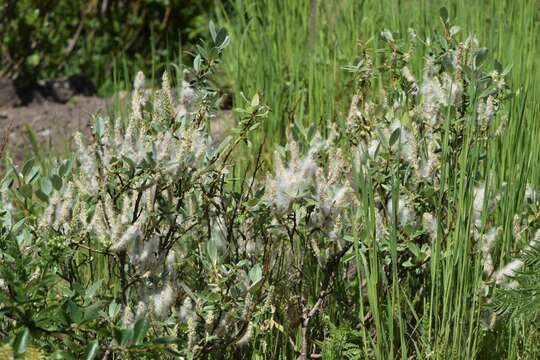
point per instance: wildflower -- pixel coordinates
(486, 111)
(132, 233)
(47, 217)
(64, 207)
(488, 240)
(149, 199)
(353, 117)
(166, 96)
(452, 91)
(516, 227)
(508, 271)
(163, 300)
(405, 213)
(405, 140)
(192, 331)
(88, 182)
(432, 93)
(429, 223)
(3, 286)
(186, 310)
(146, 257)
(138, 98)
(289, 183)
(127, 317)
(169, 261)
(337, 230)
(139, 81)
(471, 45)
(98, 224)
(332, 190)
(188, 98)
(210, 317)
(478, 204)
(140, 310)
(530, 193)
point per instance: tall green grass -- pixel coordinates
(293, 54)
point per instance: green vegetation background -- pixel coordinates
(42, 39)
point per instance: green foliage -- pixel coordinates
(43, 39)
(396, 234)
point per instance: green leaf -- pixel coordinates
(114, 309)
(6, 182)
(443, 12)
(91, 291)
(395, 136)
(139, 330)
(197, 63)
(414, 249)
(45, 185)
(255, 275)
(91, 350)
(30, 170)
(41, 196)
(480, 56)
(20, 344)
(212, 29)
(454, 30)
(56, 182)
(62, 355)
(66, 167)
(448, 62)
(92, 312)
(498, 66)
(221, 37)
(99, 127)
(24, 239)
(408, 263)
(75, 313)
(165, 340)
(123, 336)
(26, 191)
(18, 226)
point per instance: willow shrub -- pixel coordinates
(149, 241)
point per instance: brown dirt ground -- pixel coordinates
(53, 124)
